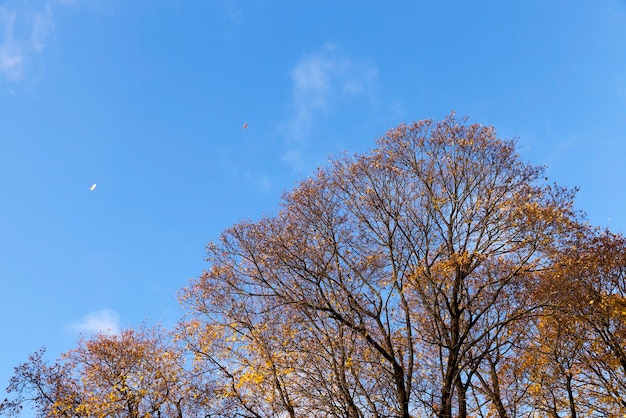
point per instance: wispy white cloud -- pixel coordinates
(320, 82)
(24, 33)
(324, 77)
(106, 321)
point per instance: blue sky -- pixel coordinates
(147, 99)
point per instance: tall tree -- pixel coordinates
(50, 388)
(137, 373)
(588, 286)
(419, 257)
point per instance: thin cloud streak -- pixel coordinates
(23, 36)
(320, 81)
(322, 78)
(106, 321)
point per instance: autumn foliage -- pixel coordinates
(438, 275)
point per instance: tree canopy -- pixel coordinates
(438, 275)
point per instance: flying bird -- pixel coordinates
(245, 126)
(93, 187)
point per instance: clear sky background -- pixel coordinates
(148, 98)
